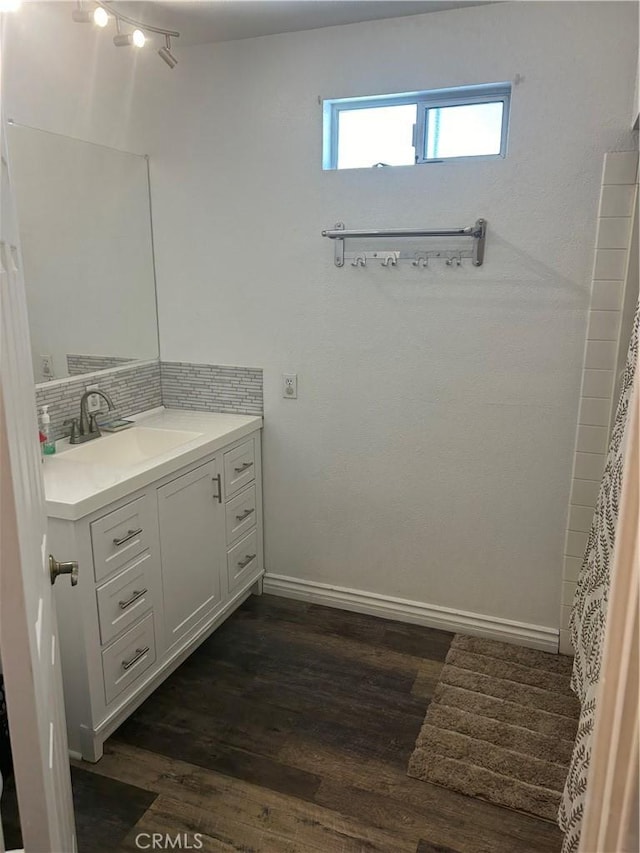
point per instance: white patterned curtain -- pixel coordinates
(589, 613)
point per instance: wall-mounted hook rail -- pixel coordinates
(477, 231)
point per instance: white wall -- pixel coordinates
(429, 453)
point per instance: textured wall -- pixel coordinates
(428, 455)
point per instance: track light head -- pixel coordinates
(165, 53)
(168, 57)
(82, 16)
(100, 17)
(136, 38)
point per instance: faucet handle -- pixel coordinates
(75, 430)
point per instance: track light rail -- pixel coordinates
(132, 21)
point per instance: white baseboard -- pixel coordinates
(418, 612)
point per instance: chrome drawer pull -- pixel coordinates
(135, 595)
(130, 535)
(140, 653)
(243, 467)
(245, 514)
(244, 563)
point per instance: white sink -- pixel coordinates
(130, 447)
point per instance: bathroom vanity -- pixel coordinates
(165, 522)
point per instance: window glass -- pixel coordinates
(416, 127)
(470, 130)
(367, 137)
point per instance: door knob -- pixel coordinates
(69, 568)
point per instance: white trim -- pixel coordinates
(417, 612)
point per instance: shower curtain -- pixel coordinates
(589, 613)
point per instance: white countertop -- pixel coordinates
(74, 488)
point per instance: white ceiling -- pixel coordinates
(204, 21)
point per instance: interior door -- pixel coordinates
(28, 630)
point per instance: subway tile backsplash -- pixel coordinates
(143, 386)
(133, 389)
(212, 388)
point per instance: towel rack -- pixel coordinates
(477, 231)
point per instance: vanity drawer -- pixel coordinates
(243, 561)
(118, 537)
(239, 467)
(128, 658)
(241, 514)
(123, 599)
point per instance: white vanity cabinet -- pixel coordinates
(159, 570)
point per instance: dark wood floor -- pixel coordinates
(289, 730)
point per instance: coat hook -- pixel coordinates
(359, 261)
(420, 260)
(390, 259)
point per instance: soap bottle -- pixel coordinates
(48, 445)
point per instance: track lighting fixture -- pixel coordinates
(102, 13)
(165, 53)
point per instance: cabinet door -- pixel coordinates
(192, 548)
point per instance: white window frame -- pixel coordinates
(489, 93)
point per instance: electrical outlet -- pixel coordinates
(290, 386)
(46, 366)
(93, 402)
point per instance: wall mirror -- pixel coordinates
(85, 230)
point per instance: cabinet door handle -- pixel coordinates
(140, 653)
(243, 467)
(245, 514)
(244, 563)
(130, 535)
(218, 480)
(135, 595)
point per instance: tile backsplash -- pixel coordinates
(212, 387)
(88, 363)
(133, 389)
(146, 385)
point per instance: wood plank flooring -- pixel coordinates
(289, 730)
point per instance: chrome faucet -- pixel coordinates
(87, 428)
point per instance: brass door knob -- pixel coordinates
(58, 568)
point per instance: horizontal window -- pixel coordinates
(416, 127)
